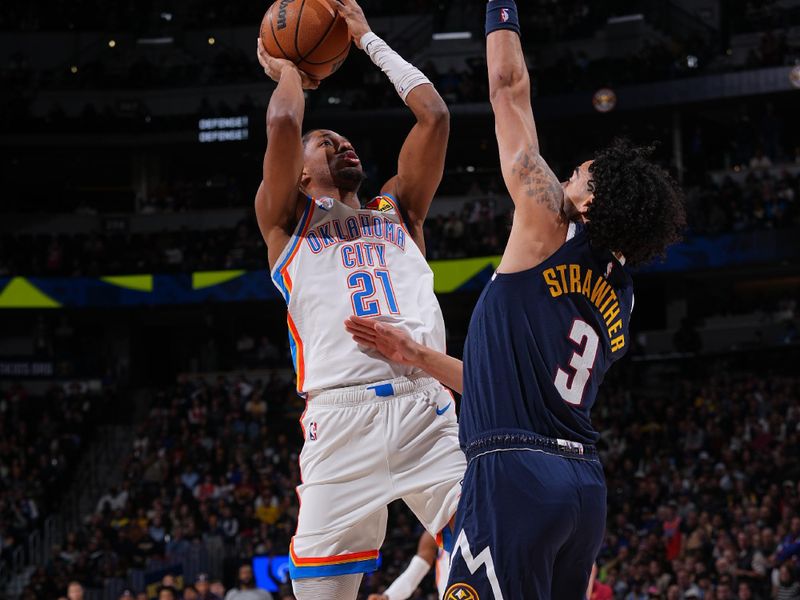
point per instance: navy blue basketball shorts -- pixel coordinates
(530, 521)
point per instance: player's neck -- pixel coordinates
(347, 197)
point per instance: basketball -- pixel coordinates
(310, 33)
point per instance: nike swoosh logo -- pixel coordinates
(441, 411)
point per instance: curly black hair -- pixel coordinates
(638, 208)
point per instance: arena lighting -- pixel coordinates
(692, 62)
(166, 16)
(112, 43)
(625, 19)
(604, 100)
(73, 69)
(159, 41)
(794, 76)
(452, 35)
(211, 41)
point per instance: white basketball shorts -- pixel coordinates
(365, 447)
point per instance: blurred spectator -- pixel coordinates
(166, 592)
(190, 593)
(203, 587)
(760, 161)
(41, 439)
(217, 589)
(764, 199)
(75, 591)
(246, 587)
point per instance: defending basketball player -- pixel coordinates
(375, 431)
(545, 330)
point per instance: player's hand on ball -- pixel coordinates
(273, 67)
(356, 21)
(394, 343)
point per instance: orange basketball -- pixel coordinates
(310, 33)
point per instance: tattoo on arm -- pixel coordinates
(538, 180)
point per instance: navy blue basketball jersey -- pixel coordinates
(540, 342)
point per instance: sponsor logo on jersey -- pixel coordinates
(381, 203)
(461, 591)
(312, 432)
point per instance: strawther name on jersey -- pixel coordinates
(575, 279)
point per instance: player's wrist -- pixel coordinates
(287, 69)
(419, 355)
(502, 15)
(364, 39)
(403, 75)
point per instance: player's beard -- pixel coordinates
(350, 178)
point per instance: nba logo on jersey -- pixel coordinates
(325, 203)
(312, 432)
(504, 15)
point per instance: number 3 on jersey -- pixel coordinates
(364, 303)
(586, 339)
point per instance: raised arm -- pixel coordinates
(396, 345)
(276, 199)
(537, 194)
(420, 165)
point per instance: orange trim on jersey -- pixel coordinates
(287, 281)
(300, 367)
(341, 559)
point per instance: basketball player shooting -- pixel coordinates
(375, 431)
(544, 332)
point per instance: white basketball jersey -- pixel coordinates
(343, 261)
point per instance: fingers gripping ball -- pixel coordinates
(310, 33)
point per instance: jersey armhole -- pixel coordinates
(290, 251)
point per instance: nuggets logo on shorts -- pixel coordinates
(461, 591)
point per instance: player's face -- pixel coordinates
(330, 160)
(577, 193)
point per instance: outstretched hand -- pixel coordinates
(273, 67)
(354, 15)
(393, 342)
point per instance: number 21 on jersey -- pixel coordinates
(572, 385)
(365, 299)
